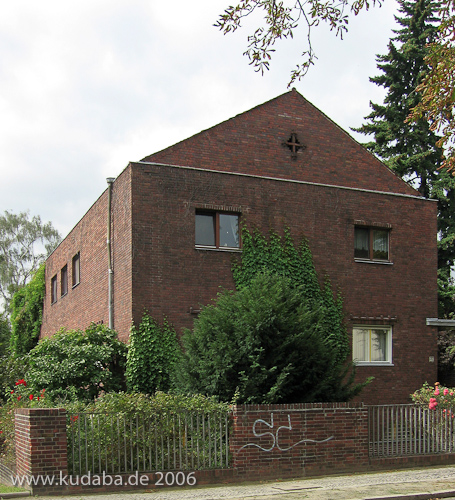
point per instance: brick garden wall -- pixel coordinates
(266, 442)
(278, 441)
(41, 446)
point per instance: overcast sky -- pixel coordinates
(87, 86)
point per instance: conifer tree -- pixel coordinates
(409, 148)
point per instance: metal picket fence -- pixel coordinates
(121, 443)
(399, 430)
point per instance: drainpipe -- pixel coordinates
(110, 182)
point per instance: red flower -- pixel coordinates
(30, 397)
(18, 398)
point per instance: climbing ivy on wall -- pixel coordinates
(280, 255)
(152, 353)
(27, 314)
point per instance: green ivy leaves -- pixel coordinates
(152, 353)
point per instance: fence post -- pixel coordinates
(41, 449)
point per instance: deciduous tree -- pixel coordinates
(25, 243)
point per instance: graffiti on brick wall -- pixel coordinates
(275, 436)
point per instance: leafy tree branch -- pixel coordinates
(437, 89)
(282, 19)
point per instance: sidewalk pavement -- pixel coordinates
(413, 484)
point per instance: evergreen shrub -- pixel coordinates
(279, 338)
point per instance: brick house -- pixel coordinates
(173, 219)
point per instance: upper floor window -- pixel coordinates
(76, 269)
(371, 243)
(372, 344)
(64, 280)
(217, 229)
(54, 289)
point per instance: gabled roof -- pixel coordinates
(286, 137)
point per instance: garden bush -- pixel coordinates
(153, 428)
(19, 395)
(78, 365)
(264, 344)
(436, 397)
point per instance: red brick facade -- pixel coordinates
(243, 166)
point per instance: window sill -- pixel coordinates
(371, 363)
(369, 261)
(74, 286)
(218, 249)
(64, 295)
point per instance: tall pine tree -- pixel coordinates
(409, 148)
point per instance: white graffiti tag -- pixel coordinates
(276, 436)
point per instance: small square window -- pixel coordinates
(64, 280)
(371, 243)
(372, 344)
(217, 229)
(76, 268)
(54, 289)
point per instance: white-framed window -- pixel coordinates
(372, 345)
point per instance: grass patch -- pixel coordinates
(9, 489)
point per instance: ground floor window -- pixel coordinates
(372, 344)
